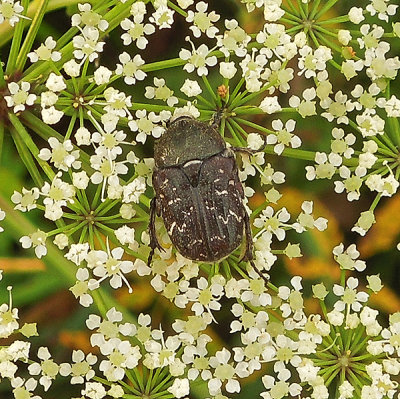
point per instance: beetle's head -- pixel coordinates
(178, 117)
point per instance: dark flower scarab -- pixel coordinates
(198, 193)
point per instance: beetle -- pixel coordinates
(198, 193)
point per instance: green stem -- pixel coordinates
(254, 125)
(26, 158)
(31, 35)
(1, 140)
(337, 20)
(177, 9)
(19, 127)
(209, 88)
(2, 80)
(329, 4)
(16, 42)
(236, 137)
(314, 9)
(300, 7)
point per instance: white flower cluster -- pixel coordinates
(294, 76)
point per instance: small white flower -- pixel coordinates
(270, 105)
(87, 45)
(19, 96)
(37, 240)
(350, 298)
(72, 68)
(180, 387)
(163, 17)
(199, 59)
(130, 68)
(88, 18)
(77, 253)
(80, 180)
(27, 200)
(51, 115)
(191, 88)
(274, 223)
(283, 136)
(102, 75)
(45, 52)
(234, 39)
(136, 31)
(356, 15)
(146, 125)
(109, 265)
(201, 21)
(46, 367)
(161, 92)
(11, 11)
(81, 368)
(62, 155)
(227, 69)
(348, 259)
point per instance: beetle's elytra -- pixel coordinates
(198, 193)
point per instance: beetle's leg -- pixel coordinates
(217, 118)
(265, 278)
(152, 230)
(248, 255)
(245, 150)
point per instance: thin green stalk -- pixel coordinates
(300, 7)
(294, 29)
(332, 376)
(328, 43)
(70, 126)
(239, 141)
(295, 11)
(105, 206)
(314, 9)
(336, 20)
(16, 42)
(1, 140)
(389, 144)
(2, 80)
(31, 35)
(289, 21)
(139, 379)
(26, 158)
(235, 91)
(177, 9)
(329, 4)
(62, 229)
(99, 302)
(83, 235)
(254, 125)
(326, 32)
(27, 139)
(375, 202)
(209, 88)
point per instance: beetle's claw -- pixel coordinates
(245, 150)
(265, 278)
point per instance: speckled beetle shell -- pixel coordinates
(198, 193)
